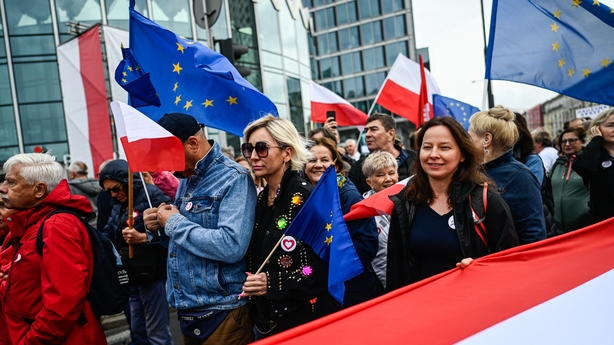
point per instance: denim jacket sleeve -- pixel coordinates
(226, 238)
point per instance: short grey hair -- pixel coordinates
(350, 141)
(286, 135)
(78, 168)
(377, 161)
(37, 167)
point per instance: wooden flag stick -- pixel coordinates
(270, 254)
(130, 210)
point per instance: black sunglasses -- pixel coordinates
(115, 189)
(262, 149)
(570, 141)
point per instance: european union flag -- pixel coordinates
(566, 46)
(320, 224)
(132, 78)
(192, 79)
(461, 112)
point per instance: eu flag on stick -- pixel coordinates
(565, 46)
(192, 79)
(136, 81)
(320, 224)
(461, 112)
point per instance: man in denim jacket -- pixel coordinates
(208, 230)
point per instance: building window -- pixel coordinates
(8, 133)
(389, 6)
(359, 87)
(352, 12)
(337, 87)
(42, 123)
(296, 104)
(342, 14)
(320, 19)
(350, 90)
(37, 82)
(314, 68)
(323, 44)
(356, 62)
(354, 37)
(346, 64)
(332, 42)
(369, 59)
(325, 68)
(344, 39)
(371, 85)
(379, 57)
(334, 66)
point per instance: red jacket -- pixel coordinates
(46, 296)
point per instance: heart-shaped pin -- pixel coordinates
(288, 243)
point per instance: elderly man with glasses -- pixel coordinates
(208, 229)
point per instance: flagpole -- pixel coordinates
(487, 87)
(270, 254)
(130, 209)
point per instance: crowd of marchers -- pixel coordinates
(206, 240)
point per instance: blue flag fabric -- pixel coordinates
(445, 106)
(565, 46)
(136, 81)
(192, 79)
(320, 224)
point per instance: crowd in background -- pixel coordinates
(212, 242)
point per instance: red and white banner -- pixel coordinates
(148, 146)
(400, 92)
(324, 100)
(85, 100)
(377, 204)
(556, 291)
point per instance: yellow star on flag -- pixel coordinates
(190, 42)
(129, 68)
(124, 80)
(187, 105)
(208, 103)
(124, 74)
(328, 240)
(176, 86)
(177, 68)
(557, 14)
(570, 72)
(575, 3)
(554, 27)
(555, 46)
(180, 47)
(138, 68)
(605, 63)
(328, 226)
(177, 99)
(561, 62)
(596, 2)
(586, 72)
(232, 100)
(611, 10)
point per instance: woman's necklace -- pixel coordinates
(272, 197)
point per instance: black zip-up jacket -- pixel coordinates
(501, 234)
(596, 166)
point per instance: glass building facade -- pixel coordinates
(355, 43)
(31, 109)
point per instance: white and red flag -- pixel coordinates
(85, 100)
(425, 109)
(324, 100)
(377, 204)
(555, 291)
(400, 92)
(148, 146)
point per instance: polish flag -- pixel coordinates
(85, 100)
(425, 109)
(401, 90)
(148, 146)
(377, 204)
(324, 100)
(555, 291)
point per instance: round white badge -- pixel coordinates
(288, 244)
(451, 222)
(188, 206)
(606, 164)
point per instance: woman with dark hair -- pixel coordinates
(363, 231)
(524, 149)
(596, 166)
(495, 132)
(432, 225)
(571, 197)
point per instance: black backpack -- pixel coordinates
(109, 292)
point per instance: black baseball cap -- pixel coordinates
(180, 125)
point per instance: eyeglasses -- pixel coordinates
(570, 141)
(262, 149)
(115, 189)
